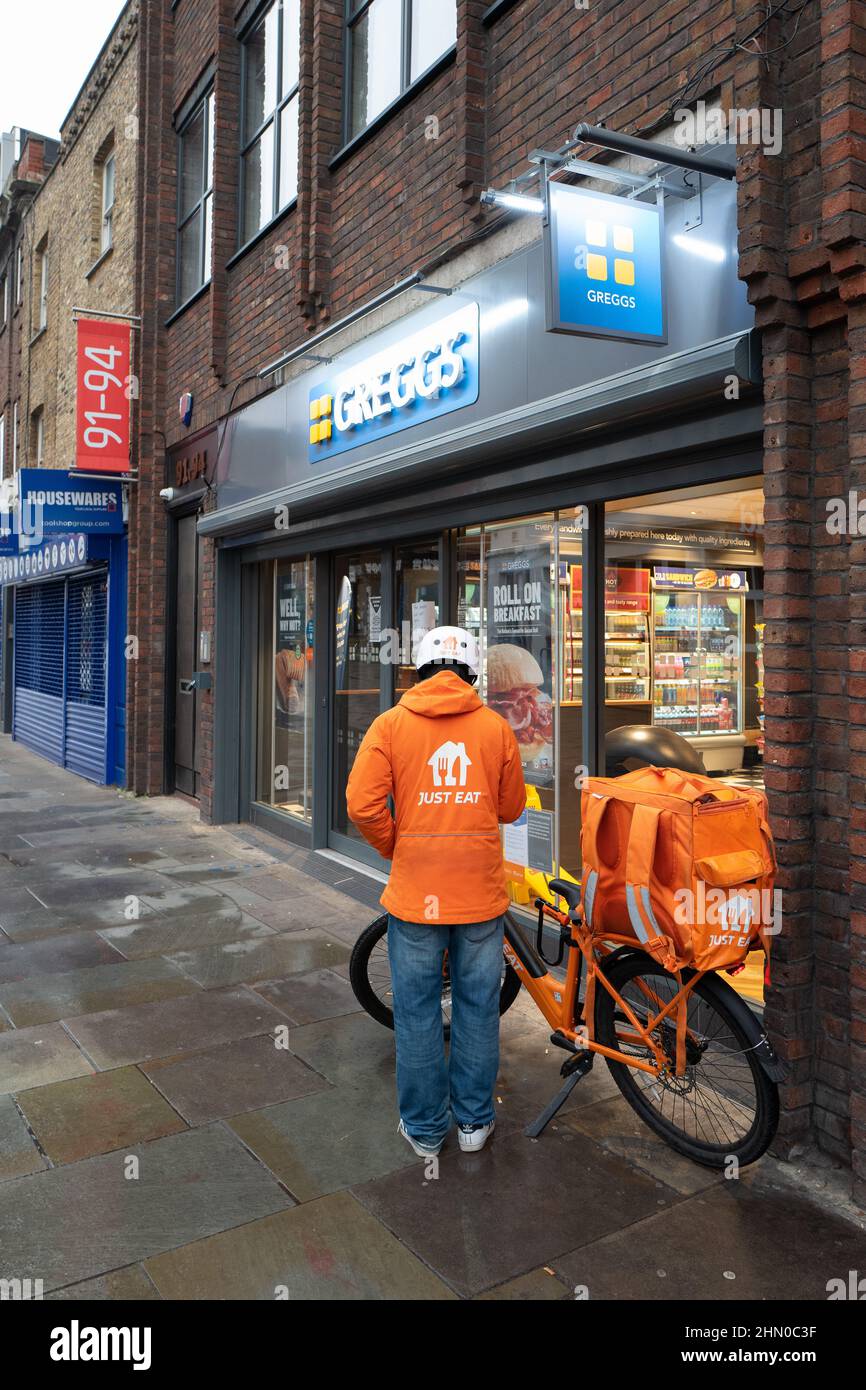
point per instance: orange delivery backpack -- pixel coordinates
(682, 863)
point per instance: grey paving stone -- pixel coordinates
(79, 1221)
(215, 966)
(95, 1114)
(156, 936)
(308, 998)
(326, 1250)
(516, 1205)
(18, 1152)
(343, 1049)
(90, 991)
(730, 1243)
(38, 1056)
(615, 1126)
(110, 887)
(231, 1078)
(529, 1076)
(120, 1036)
(338, 1138)
(124, 1285)
(539, 1286)
(74, 951)
(39, 924)
(189, 900)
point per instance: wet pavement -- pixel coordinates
(192, 1105)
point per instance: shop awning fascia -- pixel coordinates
(615, 400)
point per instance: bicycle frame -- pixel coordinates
(556, 999)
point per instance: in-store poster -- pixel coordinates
(520, 653)
(290, 663)
(344, 614)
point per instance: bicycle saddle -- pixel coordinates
(569, 891)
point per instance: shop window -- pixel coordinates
(195, 199)
(286, 687)
(269, 149)
(684, 628)
(359, 620)
(392, 43)
(516, 593)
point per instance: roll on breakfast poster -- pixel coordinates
(519, 654)
(289, 660)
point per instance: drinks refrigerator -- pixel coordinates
(698, 669)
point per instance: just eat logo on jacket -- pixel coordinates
(449, 766)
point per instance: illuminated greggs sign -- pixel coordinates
(605, 264)
(431, 373)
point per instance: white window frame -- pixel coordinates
(2, 443)
(19, 275)
(106, 225)
(4, 301)
(15, 438)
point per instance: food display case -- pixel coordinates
(698, 633)
(627, 665)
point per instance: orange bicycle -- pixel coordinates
(686, 1051)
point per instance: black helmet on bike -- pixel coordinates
(646, 745)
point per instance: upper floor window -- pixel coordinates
(42, 274)
(15, 438)
(4, 300)
(2, 444)
(106, 227)
(19, 275)
(391, 44)
(269, 138)
(37, 442)
(195, 199)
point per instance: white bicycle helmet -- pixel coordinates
(444, 646)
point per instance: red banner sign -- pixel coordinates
(102, 423)
(625, 590)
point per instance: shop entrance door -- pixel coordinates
(384, 601)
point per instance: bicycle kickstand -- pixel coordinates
(574, 1069)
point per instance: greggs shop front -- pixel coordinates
(590, 508)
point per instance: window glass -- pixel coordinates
(258, 184)
(288, 153)
(357, 668)
(377, 45)
(291, 45)
(189, 255)
(286, 690)
(192, 162)
(108, 174)
(434, 31)
(261, 72)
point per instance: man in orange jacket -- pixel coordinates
(453, 769)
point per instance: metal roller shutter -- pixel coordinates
(39, 632)
(86, 651)
(60, 659)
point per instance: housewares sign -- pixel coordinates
(431, 373)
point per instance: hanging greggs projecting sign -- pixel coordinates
(431, 373)
(104, 388)
(605, 266)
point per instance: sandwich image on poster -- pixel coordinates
(519, 653)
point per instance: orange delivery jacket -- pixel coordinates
(453, 768)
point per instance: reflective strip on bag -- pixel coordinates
(634, 915)
(589, 896)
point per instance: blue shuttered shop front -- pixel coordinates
(68, 659)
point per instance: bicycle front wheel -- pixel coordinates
(724, 1105)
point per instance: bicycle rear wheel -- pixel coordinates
(370, 978)
(724, 1105)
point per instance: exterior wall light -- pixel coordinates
(516, 202)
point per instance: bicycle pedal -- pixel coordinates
(578, 1065)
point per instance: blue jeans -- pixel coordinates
(429, 1090)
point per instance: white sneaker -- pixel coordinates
(472, 1138)
(422, 1150)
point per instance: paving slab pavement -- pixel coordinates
(193, 1106)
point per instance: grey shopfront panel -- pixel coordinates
(536, 389)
